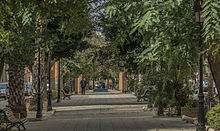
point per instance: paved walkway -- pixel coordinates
(110, 111)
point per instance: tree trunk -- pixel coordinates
(1, 66)
(210, 87)
(88, 81)
(16, 91)
(43, 80)
(74, 84)
(93, 83)
(214, 62)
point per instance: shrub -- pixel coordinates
(131, 82)
(192, 103)
(116, 86)
(140, 89)
(213, 117)
(54, 94)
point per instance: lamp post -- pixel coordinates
(88, 79)
(71, 85)
(127, 81)
(201, 113)
(113, 83)
(39, 109)
(150, 90)
(58, 93)
(49, 92)
(150, 98)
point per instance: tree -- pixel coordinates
(65, 24)
(211, 34)
(85, 61)
(24, 21)
(16, 23)
(168, 39)
(4, 48)
(170, 35)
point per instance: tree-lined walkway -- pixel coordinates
(105, 112)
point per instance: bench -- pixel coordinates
(143, 96)
(66, 95)
(11, 120)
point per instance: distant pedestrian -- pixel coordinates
(83, 86)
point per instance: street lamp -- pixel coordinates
(201, 113)
(39, 109)
(150, 98)
(49, 92)
(127, 81)
(71, 85)
(150, 90)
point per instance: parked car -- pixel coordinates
(100, 84)
(4, 90)
(27, 89)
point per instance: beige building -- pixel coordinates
(28, 75)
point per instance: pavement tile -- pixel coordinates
(111, 111)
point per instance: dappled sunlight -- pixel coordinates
(99, 107)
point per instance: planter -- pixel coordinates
(190, 112)
(211, 129)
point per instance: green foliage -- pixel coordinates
(94, 62)
(116, 27)
(17, 30)
(116, 86)
(66, 28)
(23, 26)
(169, 42)
(54, 94)
(131, 82)
(213, 117)
(162, 38)
(192, 103)
(166, 93)
(140, 89)
(211, 25)
(5, 45)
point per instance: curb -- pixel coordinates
(190, 119)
